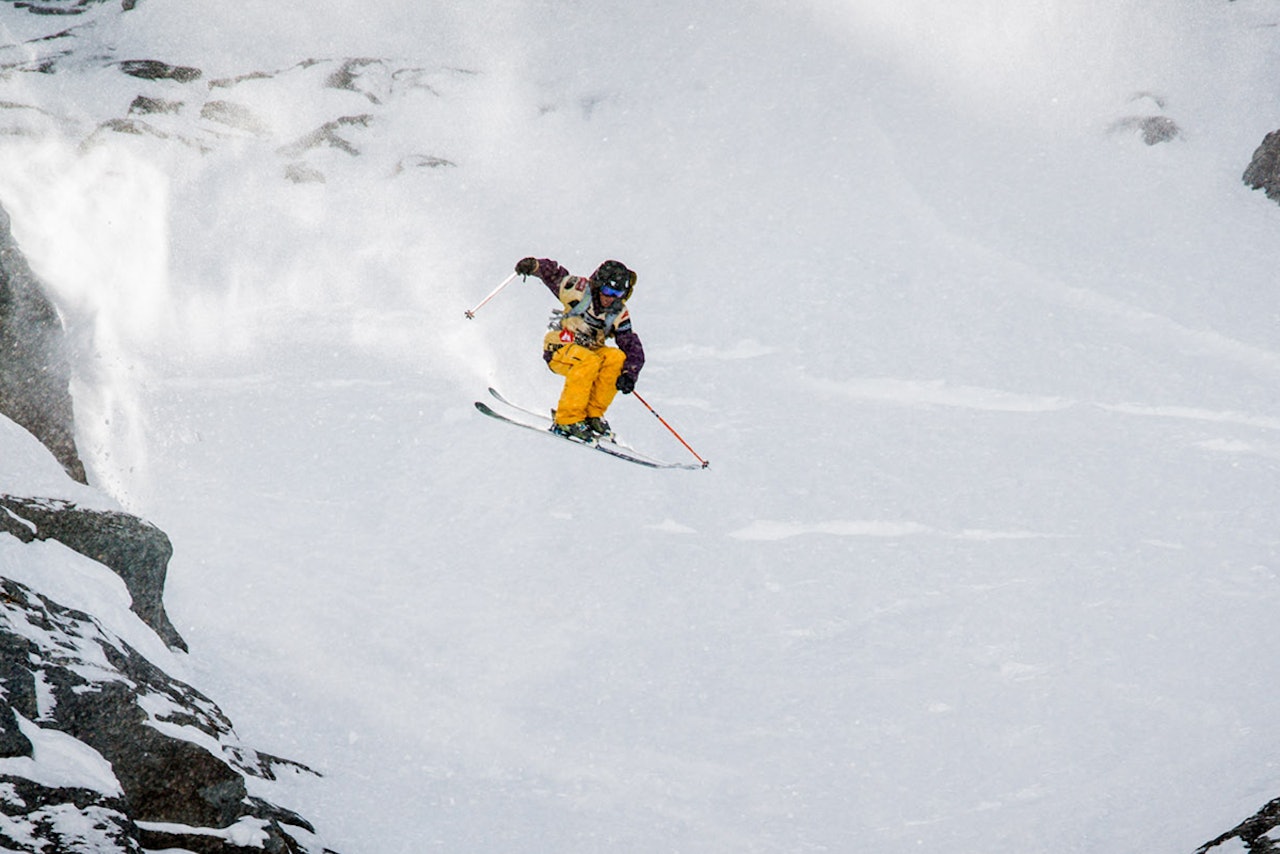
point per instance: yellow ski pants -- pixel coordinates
(590, 381)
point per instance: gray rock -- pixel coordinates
(1255, 833)
(35, 370)
(1153, 129)
(135, 550)
(179, 770)
(1263, 172)
(153, 69)
(65, 7)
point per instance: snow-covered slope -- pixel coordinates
(986, 553)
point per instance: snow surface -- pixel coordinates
(986, 558)
(60, 761)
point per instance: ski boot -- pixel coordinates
(601, 429)
(579, 431)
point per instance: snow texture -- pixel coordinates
(987, 559)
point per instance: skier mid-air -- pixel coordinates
(594, 309)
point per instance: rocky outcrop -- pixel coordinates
(135, 550)
(65, 7)
(1257, 834)
(176, 104)
(100, 750)
(35, 372)
(1263, 172)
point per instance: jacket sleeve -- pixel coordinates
(551, 274)
(629, 343)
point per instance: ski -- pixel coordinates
(609, 448)
(498, 397)
(547, 417)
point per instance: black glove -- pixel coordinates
(527, 266)
(626, 383)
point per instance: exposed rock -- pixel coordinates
(138, 127)
(349, 74)
(157, 764)
(35, 370)
(64, 7)
(301, 173)
(234, 116)
(1263, 172)
(1256, 833)
(41, 818)
(327, 135)
(19, 119)
(142, 105)
(422, 161)
(133, 127)
(170, 94)
(151, 69)
(135, 550)
(1154, 129)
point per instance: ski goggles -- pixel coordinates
(610, 291)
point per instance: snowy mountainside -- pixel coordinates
(103, 746)
(986, 551)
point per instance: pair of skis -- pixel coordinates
(541, 422)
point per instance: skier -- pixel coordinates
(593, 310)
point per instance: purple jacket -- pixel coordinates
(568, 288)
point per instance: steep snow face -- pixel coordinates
(988, 383)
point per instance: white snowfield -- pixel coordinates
(987, 557)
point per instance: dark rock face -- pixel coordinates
(100, 749)
(1263, 172)
(150, 69)
(63, 7)
(154, 763)
(135, 550)
(35, 371)
(42, 813)
(1256, 833)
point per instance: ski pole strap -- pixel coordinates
(705, 463)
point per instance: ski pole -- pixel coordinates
(508, 280)
(705, 463)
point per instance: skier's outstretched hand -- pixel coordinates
(626, 383)
(527, 266)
